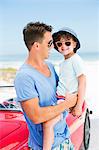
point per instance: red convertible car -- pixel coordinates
(14, 131)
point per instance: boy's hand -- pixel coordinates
(71, 100)
(77, 111)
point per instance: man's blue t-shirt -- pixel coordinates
(29, 84)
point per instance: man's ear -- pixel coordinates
(36, 45)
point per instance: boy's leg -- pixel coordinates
(48, 133)
(48, 137)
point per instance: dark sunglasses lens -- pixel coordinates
(59, 44)
(50, 43)
(67, 43)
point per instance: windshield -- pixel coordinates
(7, 92)
(10, 105)
(7, 98)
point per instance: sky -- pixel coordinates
(80, 15)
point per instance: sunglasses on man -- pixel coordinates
(50, 43)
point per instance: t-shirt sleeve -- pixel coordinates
(78, 66)
(25, 87)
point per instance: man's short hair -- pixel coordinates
(34, 32)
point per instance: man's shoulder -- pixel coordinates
(23, 72)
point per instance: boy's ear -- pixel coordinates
(75, 43)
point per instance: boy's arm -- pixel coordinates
(77, 110)
(81, 89)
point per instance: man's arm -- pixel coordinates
(41, 114)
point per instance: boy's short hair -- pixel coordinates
(68, 34)
(34, 32)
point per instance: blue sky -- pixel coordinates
(80, 15)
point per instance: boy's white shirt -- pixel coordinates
(70, 70)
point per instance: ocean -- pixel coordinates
(54, 57)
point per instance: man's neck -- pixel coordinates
(35, 61)
(39, 65)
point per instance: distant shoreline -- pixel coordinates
(90, 56)
(8, 74)
(18, 64)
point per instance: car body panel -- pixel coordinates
(76, 126)
(14, 131)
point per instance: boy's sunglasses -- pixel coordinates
(50, 43)
(59, 44)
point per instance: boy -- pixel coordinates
(71, 77)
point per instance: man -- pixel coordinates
(35, 86)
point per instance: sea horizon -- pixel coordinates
(15, 61)
(92, 56)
